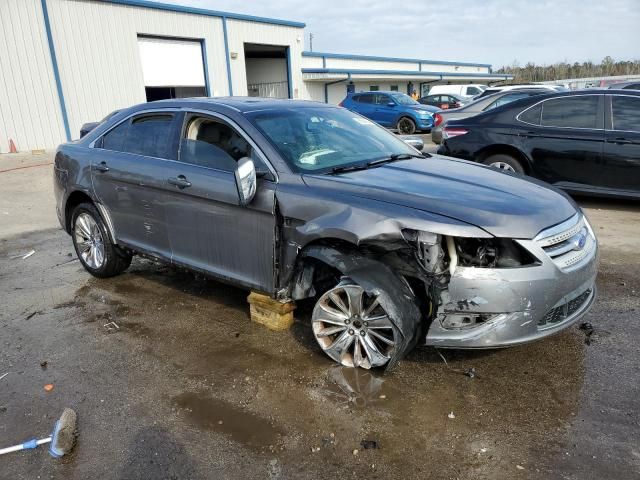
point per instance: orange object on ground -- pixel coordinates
(12, 146)
(48, 387)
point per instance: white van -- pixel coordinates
(468, 90)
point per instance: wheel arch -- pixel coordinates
(504, 149)
(77, 197)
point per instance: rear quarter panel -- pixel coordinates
(72, 172)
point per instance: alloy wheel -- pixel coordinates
(406, 126)
(502, 166)
(89, 240)
(352, 327)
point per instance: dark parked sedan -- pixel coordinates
(584, 142)
(444, 101)
(483, 104)
(302, 200)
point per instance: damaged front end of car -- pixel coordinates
(458, 291)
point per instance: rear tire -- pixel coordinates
(505, 162)
(406, 126)
(98, 255)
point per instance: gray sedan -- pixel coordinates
(481, 105)
(301, 200)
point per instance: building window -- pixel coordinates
(394, 88)
(374, 88)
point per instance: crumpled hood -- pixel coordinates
(502, 204)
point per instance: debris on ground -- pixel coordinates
(369, 444)
(471, 373)
(451, 415)
(4, 375)
(519, 467)
(315, 449)
(33, 314)
(23, 256)
(44, 364)
(48, 387)
(3, 409)
(355, 452)
(588, 330)
(111, 326)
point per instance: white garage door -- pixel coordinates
(168, 62)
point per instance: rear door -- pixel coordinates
(364, 104)
(128, 173)
(622, 143)
(207, 228)
(567, 143)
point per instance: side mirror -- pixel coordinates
(415, 142)
(246, 180)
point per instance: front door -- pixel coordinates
(385, 110)
(128, 167)
(208, 229)
(622, 144)
(567, 146)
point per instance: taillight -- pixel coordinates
(437, 119)
(450, 132)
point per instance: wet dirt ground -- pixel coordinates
(187, 387)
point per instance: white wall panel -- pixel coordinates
(171, 62)
(99, 59)
(369, 64)
(30, 111)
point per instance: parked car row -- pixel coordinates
(584, 141)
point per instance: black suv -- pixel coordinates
(584, 141)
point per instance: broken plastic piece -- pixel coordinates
(48, 387)
(369, 444)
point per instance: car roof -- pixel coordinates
(241, 104)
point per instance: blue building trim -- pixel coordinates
(56, 71)
(206, 12)
(205, 64)
(289, 73)
(404, 72)
(226, 53)
(391, 59)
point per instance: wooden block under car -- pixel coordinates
(269, 312)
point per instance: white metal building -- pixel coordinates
(67, 62)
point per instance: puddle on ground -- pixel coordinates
(242, 426)
(355, 388)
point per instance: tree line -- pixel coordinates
(563, 70)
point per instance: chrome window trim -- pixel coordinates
(239, 129)
(611, 95)
(556, 98)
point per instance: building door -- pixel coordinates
(267, 68)
(172, 68)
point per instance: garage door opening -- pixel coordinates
(172, 68)
(267, 68)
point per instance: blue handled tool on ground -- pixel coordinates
(61, 440)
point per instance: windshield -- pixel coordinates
(319, 139)
(404, 99)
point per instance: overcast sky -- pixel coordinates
(483, 31)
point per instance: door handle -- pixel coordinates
(620, 141)
(180, 181)
(102, 167)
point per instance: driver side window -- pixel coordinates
(211, 143)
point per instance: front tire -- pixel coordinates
(505, 162)
(98, 255)
(352, 328)
(406, 126)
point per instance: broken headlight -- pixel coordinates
(492, 253)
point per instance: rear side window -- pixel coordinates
(365, 98)
(633, 86)
(148, 135)
(532, 115)
(571, 112)
(625, 113)
(506, 99)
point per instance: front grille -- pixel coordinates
(566, 310)
(569, 243)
